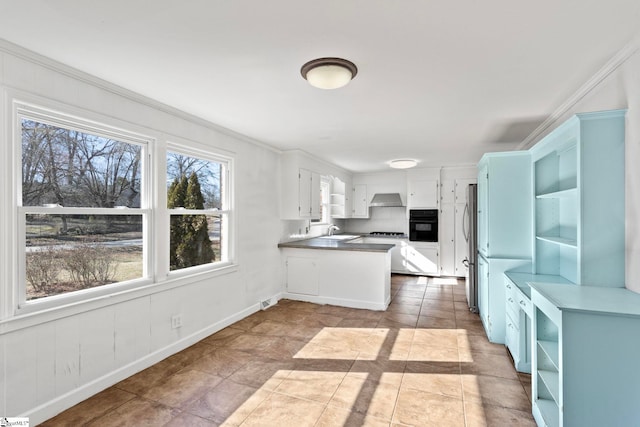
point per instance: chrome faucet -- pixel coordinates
(332, 228)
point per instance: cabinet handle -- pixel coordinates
(522, 302)
(510, 299)
(508, 286)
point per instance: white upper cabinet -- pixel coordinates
(360, 201)
(300, 187)
(423, 194)
(460, 189)
(308, 194)
(423, 188)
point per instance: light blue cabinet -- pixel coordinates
(504, 232)
(585, 345)
(491, 293)
(518, 335)
(504, 205)
(579, 200)
(585, 356)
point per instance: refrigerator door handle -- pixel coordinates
(465, 220)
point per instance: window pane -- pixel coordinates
(76, 169)
(193, 183)
(195, 240)
(66, 253)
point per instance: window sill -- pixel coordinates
(33, 314)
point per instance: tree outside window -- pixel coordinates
(195, 199)
(81, 209)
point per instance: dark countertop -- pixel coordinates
(339, 245)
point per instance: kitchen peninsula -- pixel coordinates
(331, 270)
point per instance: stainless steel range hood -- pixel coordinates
(388, 200)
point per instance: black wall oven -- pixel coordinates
(423, 225)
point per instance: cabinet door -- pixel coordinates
(304, 193)
(447, 191)
(512, 338)
(302, 275)
(423, 194)
(309, 194)
(360, 202)
(483, 291)
(446, 227)
(315, 189)
(397, 258)
(461, 189)
(422, 260)
(483, 218)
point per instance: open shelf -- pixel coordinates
(551, 380)
(562, 241)
(561, 194)
(549, 411)
(550, 348)
(557, 210)
(337, 199)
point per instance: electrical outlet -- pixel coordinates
(176, 321)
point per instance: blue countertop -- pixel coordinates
(523, 280)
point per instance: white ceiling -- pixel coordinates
(439, 81)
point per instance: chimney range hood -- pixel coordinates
(388, 200)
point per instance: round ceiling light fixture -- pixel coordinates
(403, 163)
(329, 73)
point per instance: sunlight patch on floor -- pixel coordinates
(344, 343)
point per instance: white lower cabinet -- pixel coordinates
(421, 258)
(397, 253)
(302, 275)
(348, 278)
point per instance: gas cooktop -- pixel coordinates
(387, 233)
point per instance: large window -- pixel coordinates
(81, 217)
(198, 208)
(87, 224)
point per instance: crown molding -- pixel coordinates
(58, 67)
(612, 65)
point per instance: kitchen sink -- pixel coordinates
(340, 237)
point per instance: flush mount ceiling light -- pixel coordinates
(329, 73)
(403, 163)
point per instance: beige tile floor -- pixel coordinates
(424, 362)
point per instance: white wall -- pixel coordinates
(618, 86)
(51, 361)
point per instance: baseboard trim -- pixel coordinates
(55, 406)
(367, 305)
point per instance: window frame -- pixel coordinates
(153, 207)
(23, 110)
(226, 200)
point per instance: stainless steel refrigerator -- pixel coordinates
(470, 230)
